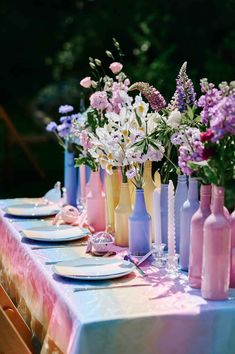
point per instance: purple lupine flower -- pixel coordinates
(51, 127)
(65, 109)
(154, 97)
(184, 94)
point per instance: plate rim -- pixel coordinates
(49, 213)
(94, 277)
(69, 238)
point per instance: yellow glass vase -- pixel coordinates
(112, 190)
(122, 212)
(149, 187)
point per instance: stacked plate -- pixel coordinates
(94, 268)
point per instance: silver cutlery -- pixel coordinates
(58, 246)
(145, 257)
(90, 288)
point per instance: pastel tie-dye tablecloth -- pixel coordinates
(166, 318)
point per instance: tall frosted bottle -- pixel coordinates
(189, 207)
(216, 251)
(139, 227)
(95, 202)
(181, 195)
(197, 235)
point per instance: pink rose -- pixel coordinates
(86, 82)
(115, 67)
(99, 100)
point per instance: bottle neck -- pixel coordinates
(193, 189)
(139, 206)
(124, 193)
(218, 200)
(182, 179)
(205, 197)
(95, 181)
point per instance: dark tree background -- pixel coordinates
(45, 45)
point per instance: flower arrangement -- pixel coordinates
(116, 123)
(216, 144)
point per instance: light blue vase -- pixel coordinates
(181, 195)
(164, 212)
(189, 207)
(139, 227)
(70, 178)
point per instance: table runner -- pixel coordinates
(168, 317)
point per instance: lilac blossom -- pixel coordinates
(218, 108)
(191, 148)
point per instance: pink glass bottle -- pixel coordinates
(196, 237)
(216, 251)
(95, 202)
(232, 266)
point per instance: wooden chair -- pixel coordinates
(15, 335)
(14, 137)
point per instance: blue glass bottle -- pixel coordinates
(181, 194)
(189, 207)
(70, 178)
(139, 227)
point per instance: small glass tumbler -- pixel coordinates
(159, 257)
(172, 266)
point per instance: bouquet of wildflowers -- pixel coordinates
(116, 123)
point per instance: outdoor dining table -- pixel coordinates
(163, 318)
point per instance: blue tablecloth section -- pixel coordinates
(167, 317)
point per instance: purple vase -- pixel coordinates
(216, 251)
(139, 227)
(164, 212)
(196, 237)
(232, 266)
(70, 178)
(181, 194)
(189, 207)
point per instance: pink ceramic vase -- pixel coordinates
(232, 266)
(196, 237)
(95, 202)
(216, 251)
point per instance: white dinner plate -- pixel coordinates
(54, 233)
(32, 210)
(94, 268)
